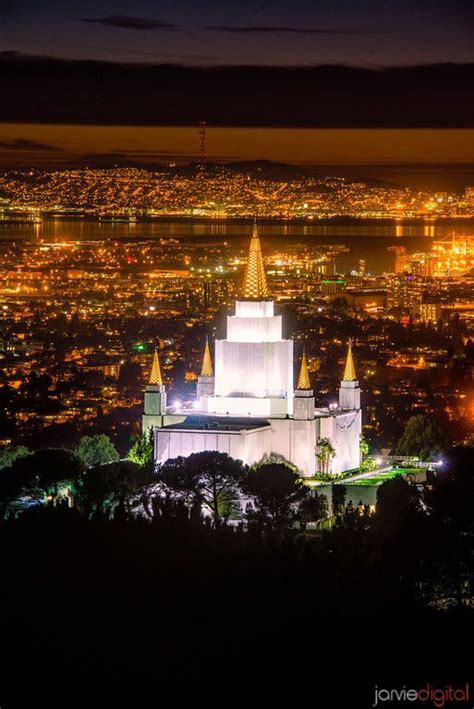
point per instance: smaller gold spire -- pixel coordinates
(349, 369)
(303, 378)
(206, 369)
(155, 374)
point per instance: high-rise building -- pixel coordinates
(405, 290)
(421, 265)
(428, 312)
(401, 258)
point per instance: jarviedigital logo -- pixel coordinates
(428, 695)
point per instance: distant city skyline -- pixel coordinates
(407, 156)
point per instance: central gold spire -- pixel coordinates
(155, 374)
(255, 281)
(303, 378)
(206, 369)
(349, 369)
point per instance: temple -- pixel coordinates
(246, 405)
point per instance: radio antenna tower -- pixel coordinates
(202, 142)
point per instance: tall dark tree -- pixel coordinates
(212, 478)
(104, 488)
(338, 499)
(449, 581)
(422, 437)
(277, 492)
(450, 497)
(313, 508)
(398, 504)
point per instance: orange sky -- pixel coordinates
(311, 146)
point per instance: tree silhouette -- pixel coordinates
(102, 488)
(276, 491)
(338, 499)
(313, 508)
(272, 458)
(398, 503)
(395, 569)
(422, 437)
(210, 477)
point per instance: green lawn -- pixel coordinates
(382, 477)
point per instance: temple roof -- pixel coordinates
(206, 369)
(349, 369)
(255, 281)
(155, 374)
(219, 423)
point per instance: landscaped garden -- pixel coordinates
(380, 478)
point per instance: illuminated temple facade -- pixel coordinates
(248, 407)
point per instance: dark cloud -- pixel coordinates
(130, 23)
(108, 93)
(27, 145)
(252, 29)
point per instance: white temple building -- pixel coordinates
(249, 407)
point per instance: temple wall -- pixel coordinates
(254, 329)
(247, 446)
(296, 441)
(259, 369)
(343, 430)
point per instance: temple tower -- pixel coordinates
(155, 397)
(205, 382)
(303, 404)
(349, 391)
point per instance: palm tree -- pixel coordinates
(325, 452)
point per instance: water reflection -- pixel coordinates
(364, 240)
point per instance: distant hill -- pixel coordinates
(257, 169)
(263, 169)
(267, 169)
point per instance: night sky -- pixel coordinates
(77, 67)
(279, 32)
